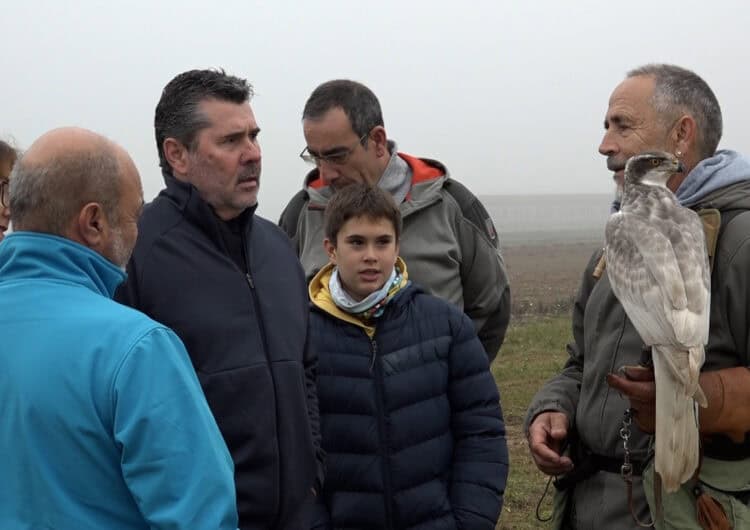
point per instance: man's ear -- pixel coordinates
(92, 227)
(330, 250)
(380, 138)
(684, 134)
(177, 156)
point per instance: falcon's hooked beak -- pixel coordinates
(680, 167)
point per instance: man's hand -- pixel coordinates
(547, 434)
(637, 384)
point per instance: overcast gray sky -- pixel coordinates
(510, 95)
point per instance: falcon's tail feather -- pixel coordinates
(695, 360)
(676, 439)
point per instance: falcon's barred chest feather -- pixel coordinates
(656, 252)
(657, 265)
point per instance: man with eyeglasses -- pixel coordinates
(229, 284)
(448, 239)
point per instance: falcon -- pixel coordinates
(657, 265)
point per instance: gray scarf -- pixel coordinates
(346, 303)
(396, 179)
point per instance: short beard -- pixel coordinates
(120, 254)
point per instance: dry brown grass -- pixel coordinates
(544, 277)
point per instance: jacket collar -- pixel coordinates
(197, 211)
(321, 298)
(414, 180)
(33, 255)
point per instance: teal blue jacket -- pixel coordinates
(103, 422)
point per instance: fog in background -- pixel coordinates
(510, 95)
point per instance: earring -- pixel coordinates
(678, 153)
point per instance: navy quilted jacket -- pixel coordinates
(410, 420)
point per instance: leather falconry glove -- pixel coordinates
(728, 394)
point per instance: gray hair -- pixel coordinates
(358, 102)
(177, 113)
(678, 90)
(46, 198)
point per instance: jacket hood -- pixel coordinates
(721, 182)
(33, 255)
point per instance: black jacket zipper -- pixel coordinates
(383, 439)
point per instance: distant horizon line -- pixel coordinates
(587, 194)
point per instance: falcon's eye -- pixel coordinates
(655, 162)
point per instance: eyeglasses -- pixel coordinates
(5, 193)
(337, 156)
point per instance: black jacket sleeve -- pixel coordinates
(480, 457)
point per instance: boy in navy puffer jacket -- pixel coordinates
(410, 414)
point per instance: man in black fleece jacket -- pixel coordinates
(229, 283)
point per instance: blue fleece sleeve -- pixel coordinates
(480, 455)
(174, 459)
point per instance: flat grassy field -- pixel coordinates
(543, 279)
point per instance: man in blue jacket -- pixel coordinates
(229, 283)
(103, 421)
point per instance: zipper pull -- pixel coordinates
(374, 350)
(249, 280)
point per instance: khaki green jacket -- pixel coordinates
(449, 255)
